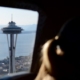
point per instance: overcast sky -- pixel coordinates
(20, 16)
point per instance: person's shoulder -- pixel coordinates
(48, 77)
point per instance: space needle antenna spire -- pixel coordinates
(11, 17)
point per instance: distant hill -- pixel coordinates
(29, 27)
(25, 32)
(26, 28)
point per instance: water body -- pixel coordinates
(24, 46)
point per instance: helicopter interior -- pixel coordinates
(52, 15)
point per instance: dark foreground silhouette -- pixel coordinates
(60, 55)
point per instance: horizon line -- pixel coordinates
(19, 24)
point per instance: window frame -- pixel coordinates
(41, 21)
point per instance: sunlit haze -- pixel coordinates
(20, 16)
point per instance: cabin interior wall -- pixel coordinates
(56, 17)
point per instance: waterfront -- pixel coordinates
(22, 63)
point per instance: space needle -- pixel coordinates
(12, 29)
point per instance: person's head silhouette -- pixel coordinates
(60, 56)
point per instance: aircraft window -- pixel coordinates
(16, 56)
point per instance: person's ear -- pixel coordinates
(59, 51)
